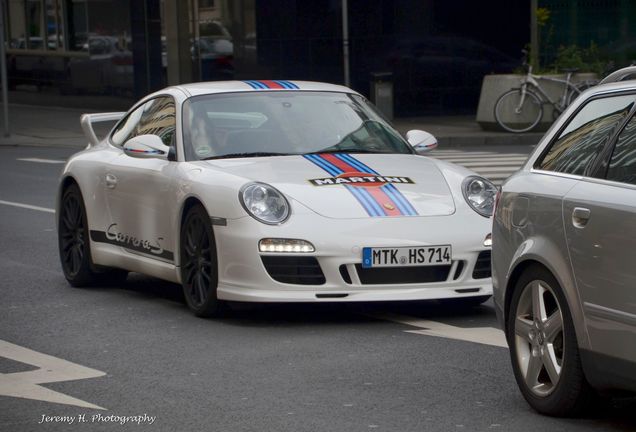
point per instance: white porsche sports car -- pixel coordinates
(272, 191)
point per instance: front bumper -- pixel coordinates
(244, 277)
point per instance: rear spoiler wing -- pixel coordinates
(87, 120)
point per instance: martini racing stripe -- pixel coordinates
(372, 208)
(393, 192)
(402, 202)
(377, 200)
(405, 206)
(271, 85)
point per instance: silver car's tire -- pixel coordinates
(514, 116)
(543, 346)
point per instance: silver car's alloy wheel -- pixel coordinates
(539, 337)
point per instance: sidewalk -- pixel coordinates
(43, 126)
(461, 131)
(34, 125)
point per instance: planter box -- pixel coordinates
(494, 86)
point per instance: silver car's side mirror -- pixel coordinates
(421, 141)
(146, 147)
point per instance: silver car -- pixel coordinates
(564, 255)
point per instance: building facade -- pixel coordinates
(437, 51)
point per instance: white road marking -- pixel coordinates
(51, 369)
(38, 160)
(492, 165)
(481, 335)
(28, 206)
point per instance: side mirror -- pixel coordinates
(146, 147)
(421, 141)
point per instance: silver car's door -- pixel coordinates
(600, 221)
(141, 192)
(570, 158)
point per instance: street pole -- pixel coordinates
(534, 35)
(345, 42)
(3, 72)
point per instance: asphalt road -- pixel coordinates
(263, 368)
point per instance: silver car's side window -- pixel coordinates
(156, 117)
(622, 167)
(586, 134)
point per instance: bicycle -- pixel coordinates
(521, 109)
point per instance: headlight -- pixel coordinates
(480, 194)
(264, 203)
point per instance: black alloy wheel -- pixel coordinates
(72, 234)
(74, 245)
(199, 272)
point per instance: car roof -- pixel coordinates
(212, 87)
(609, 88)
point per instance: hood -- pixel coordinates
(347, 186)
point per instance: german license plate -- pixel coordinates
(406, 256)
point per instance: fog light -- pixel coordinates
(285, 246)
(488, 240)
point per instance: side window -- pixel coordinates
(586, 134)
(622, 167)
(156, 117)
(126, 128)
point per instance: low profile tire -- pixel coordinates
(74, 245)
(512, 116)
(199, 269)
(543, 346)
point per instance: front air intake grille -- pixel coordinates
(294, 270)
(482, 266)
(402, 275)
(344, 272)
(458, 270)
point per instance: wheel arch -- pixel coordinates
(565, 281)
(188, 203)
(65, 182)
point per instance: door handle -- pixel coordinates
(111, 181)
(580, 217)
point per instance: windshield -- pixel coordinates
(284, 123)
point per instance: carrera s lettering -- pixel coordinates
(129, 240)
(360, 180)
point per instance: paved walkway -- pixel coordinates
(42, 125)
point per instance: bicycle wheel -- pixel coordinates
(581, 87)
(515, 115)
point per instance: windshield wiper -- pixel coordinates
(245, 155)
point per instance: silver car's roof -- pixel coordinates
(611, 87)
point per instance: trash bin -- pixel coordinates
(382, 92)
